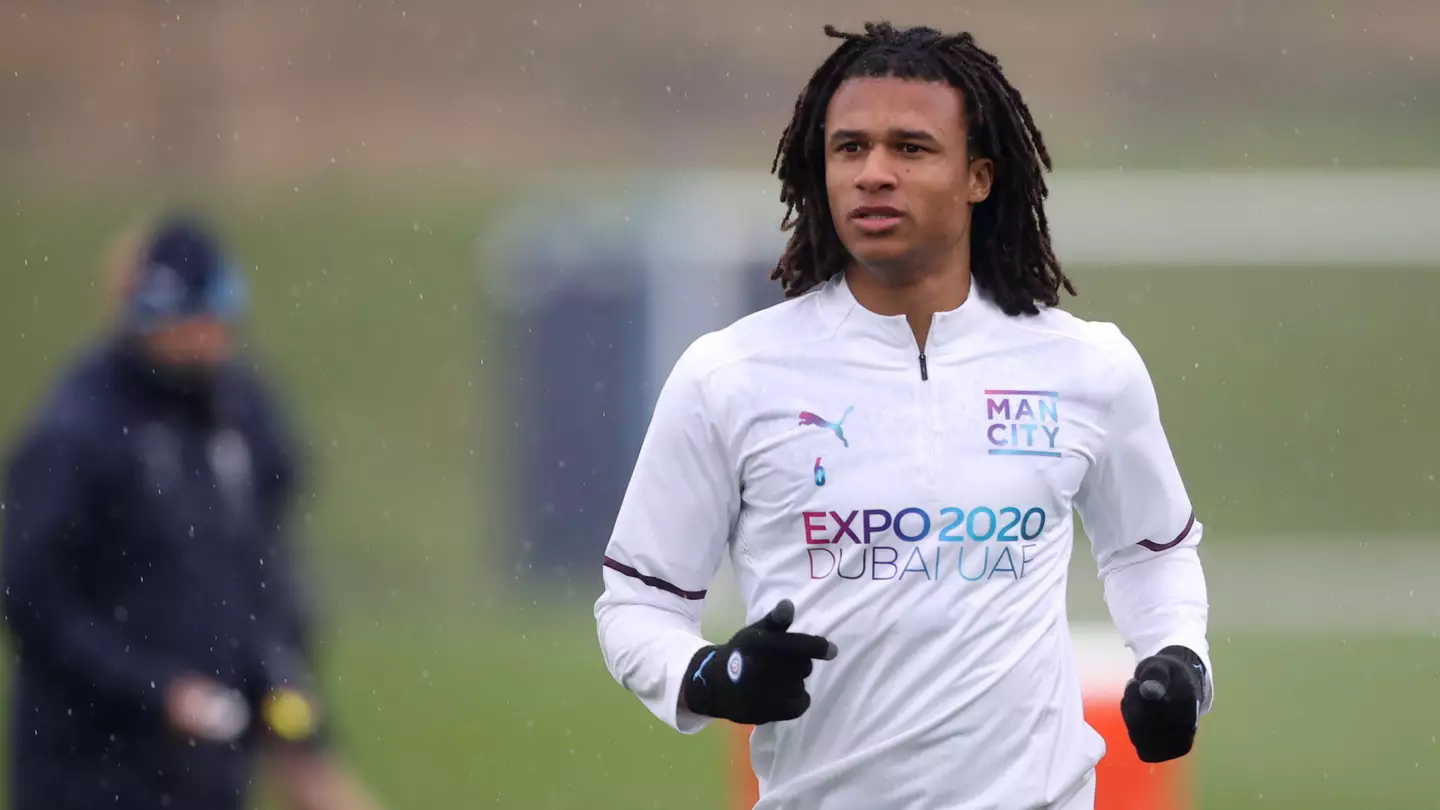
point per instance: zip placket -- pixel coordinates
(929, 425)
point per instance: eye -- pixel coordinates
(912, 149)
(848, 146)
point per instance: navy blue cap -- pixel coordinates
(184, 271)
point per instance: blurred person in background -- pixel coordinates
(162, 641)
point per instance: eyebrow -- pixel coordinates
(899, 134)
(912, 135)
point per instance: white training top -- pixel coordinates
(917, 509)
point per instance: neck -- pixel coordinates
(194, 384)
(917, 297)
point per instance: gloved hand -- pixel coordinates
(1161, 705)
(759, 675)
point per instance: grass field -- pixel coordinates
(1296, 400)
(484, 717)
(476, 714)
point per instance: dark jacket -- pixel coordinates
(143, 538)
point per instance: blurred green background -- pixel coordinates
(356, 159)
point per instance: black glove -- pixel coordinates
(759, 675)
(1161, 706)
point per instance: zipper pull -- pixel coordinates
(924, 371)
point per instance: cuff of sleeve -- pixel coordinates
(686, 722)
(1201, 649)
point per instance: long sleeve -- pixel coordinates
(290, 620)
(49, 511)
(669, 536)
(286, 657)
(1142, 526)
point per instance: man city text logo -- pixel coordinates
(1022, 423)
(838, 428)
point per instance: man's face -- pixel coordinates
(899, 178)
(197, 343)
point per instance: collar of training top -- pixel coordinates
(837, 301)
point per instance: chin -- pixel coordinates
(885, 260)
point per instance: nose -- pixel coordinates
(876, 174)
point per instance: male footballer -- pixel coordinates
(892, 457)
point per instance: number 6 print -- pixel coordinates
(819, 474)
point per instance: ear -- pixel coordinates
(121, 264)
(982, 177)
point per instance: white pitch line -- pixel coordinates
(1330, 585)
(1320, 584)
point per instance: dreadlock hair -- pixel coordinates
(1011, 256)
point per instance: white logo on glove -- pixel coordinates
(734, 666)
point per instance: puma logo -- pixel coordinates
(838, 428)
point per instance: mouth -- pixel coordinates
(875, 219)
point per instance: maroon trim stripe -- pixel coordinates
(654, 582)
(1185, 532)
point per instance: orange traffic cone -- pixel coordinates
(744, 788)
(1123, 782)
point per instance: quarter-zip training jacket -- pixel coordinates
(917, 505)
